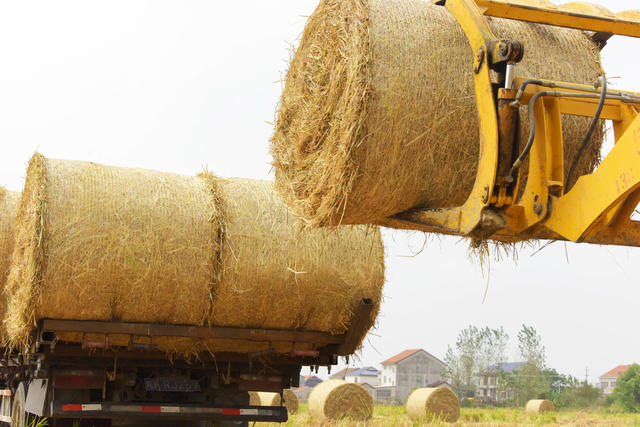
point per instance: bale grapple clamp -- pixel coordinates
(598, 207)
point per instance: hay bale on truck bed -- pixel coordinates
(337, 399)
(538, 406)
(99, 242)
(278, 274)
(433, 403)
(8, 211)
(260, 398)
(379, 116)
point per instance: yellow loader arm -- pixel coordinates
(598, 208)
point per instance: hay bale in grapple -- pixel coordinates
(278, 274)
(538, 406)
(8, 211)
(99, 242)
(379, 116)
(433, 403)
(262, 398)
(337, 399)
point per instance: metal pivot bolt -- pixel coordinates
(479, 59)
(537, 206)
(485, 194)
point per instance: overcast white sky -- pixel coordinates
(175, 86)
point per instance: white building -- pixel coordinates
(608, 379)
(368, 375)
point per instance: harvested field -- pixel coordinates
(391, 416)
(99, 242)
(378, 114)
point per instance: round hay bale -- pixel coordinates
(260, 398)
(379, 116)
(98, 242)
(279, 274)
(433, 403)
(8, 211)
(337, 399)
(538, 406)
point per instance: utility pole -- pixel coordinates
(586, 375)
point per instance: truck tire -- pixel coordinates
(18, 414)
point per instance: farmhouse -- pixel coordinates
(488, 385)
(608, 379)
(406, 371)
(367, 375)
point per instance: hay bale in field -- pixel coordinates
(378, 114)
(278, 274)
(337, 399)
(538, 406)
(99, 242)
(433, 403)
(260, 398)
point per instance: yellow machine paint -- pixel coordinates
(598, 208)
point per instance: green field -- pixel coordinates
(395, 416)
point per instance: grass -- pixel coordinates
(384, 415)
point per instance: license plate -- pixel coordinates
(171, 384)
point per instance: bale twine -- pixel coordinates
(99, 242)
(260, 398)
(379, 116)
(538, 406)
(337, 399)
(433, 403)
(278, 274)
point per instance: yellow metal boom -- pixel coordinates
(598, 208)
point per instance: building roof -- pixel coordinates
(400, 356)
(506, 367)
(367, 371)
(342, 373)
(403, 355)
(616, 372)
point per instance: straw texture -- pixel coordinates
(99, 242)
(378, 114)
(538, 406)
(260, 398)
(337, 399)
(8, 211)
(433, 403)
(279, 274)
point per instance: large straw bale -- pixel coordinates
(279, 274)
(99, 242)
(337, 399)
(262, 398)
(538, 406)
(8, 211)
(378, 114)
(433, 403)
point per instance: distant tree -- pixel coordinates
(475, 350)
(576, 394)
(531, 380)
(627, 391)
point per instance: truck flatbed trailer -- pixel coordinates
(95, 382)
